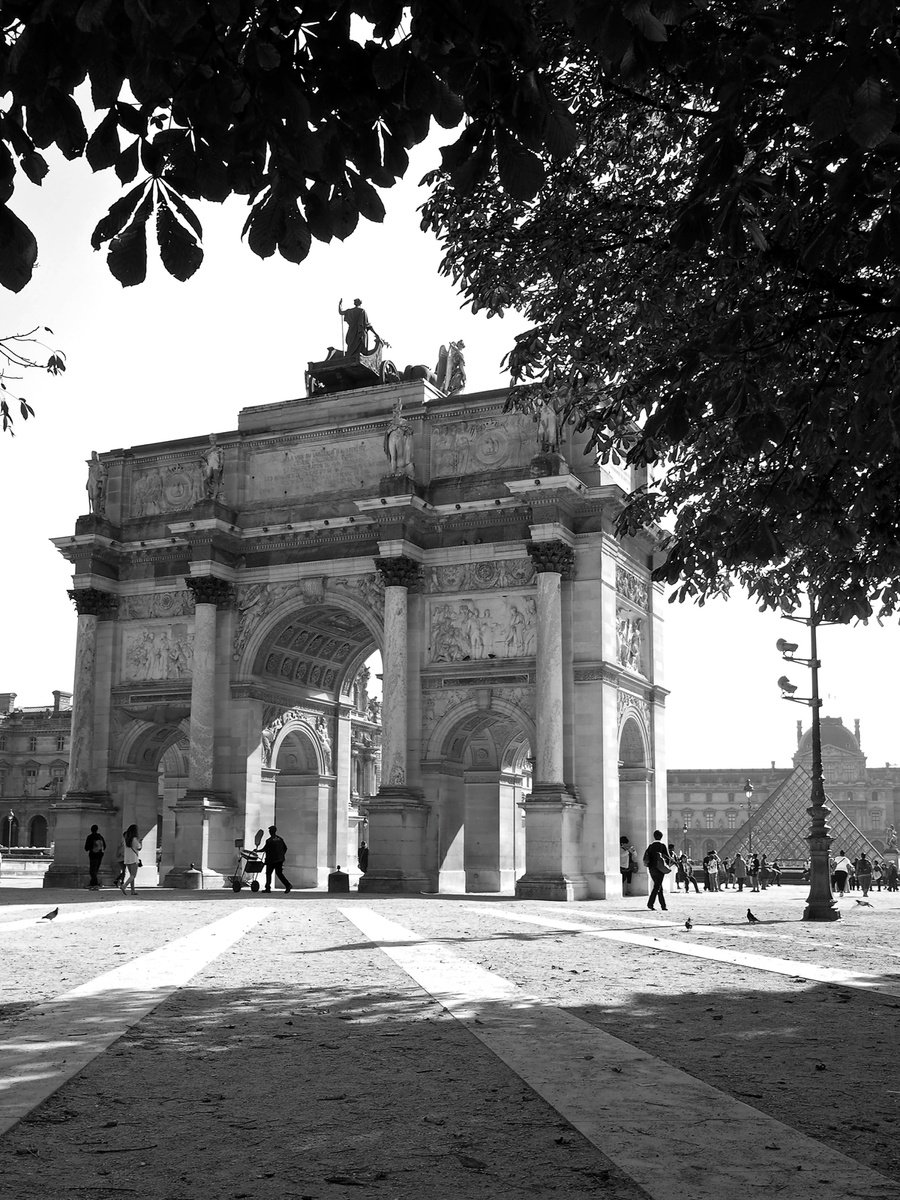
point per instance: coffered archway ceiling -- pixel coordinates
(314, 647)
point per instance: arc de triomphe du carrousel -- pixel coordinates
(230, 588)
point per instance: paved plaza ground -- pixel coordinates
(184, 1044)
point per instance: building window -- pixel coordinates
(30, 780)
(874, 797)
(710, 818)
(687, 817)
(877, 818)
(60, 745)
(32, 744)
(3, 742)
(732, 818)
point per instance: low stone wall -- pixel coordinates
(14, 866)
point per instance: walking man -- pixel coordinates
(275, 851)
(95, 845)
(659, 864)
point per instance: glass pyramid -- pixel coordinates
(781, 824)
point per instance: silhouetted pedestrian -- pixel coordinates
(659, 864)
(275, 852)
(864, 873)
(362, 857)
(740, 870)
(95, 845)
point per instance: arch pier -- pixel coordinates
(228, 622)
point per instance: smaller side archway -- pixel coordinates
(635, 793)
(305, 803)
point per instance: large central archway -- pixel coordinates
(479, 769)
(307, 662)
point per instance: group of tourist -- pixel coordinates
(756, 871)
(721, 873)
(861, 874)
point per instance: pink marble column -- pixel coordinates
(86, 801)
(553, 816)
(200, 803)
(397, 815)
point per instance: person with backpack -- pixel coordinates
(95, 845)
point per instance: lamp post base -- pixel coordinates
(820, 904)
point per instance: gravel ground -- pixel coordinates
(304, 1063)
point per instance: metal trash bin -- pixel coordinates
(193, 879)
(338, 881)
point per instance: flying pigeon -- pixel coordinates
(750, 917)
(865, 903)
(50, 915)
(689, 924)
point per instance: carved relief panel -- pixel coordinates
(163, 652)
(315, 468)
(632, 588)
(157, 604)
(467, 447)
(630, 641)
(483, 627)
(481, 576)
(632, 605)
(165, 488)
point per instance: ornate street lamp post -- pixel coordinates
(684, 830)
(11, 816)
(748, 792)
(821, 904)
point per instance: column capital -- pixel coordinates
(552, 556)
(209, 589)
(92, 602)
(399, 571)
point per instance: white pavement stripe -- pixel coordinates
(44, 1050)
(82, 914)
(760, 962)
(661, 1126)
(700, 925)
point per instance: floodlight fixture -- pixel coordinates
(786, 686)
(783, 646)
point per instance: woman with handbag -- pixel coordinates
(132, 858)
(659, 864)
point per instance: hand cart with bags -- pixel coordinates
(248, 867)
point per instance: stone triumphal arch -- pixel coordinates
(230, 590)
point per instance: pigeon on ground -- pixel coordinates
(750, 917)
(50, 915)
(689, 924)
(865, 903)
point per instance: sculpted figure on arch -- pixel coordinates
(96, 484)
(213, 467)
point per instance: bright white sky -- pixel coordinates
(168, 360)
